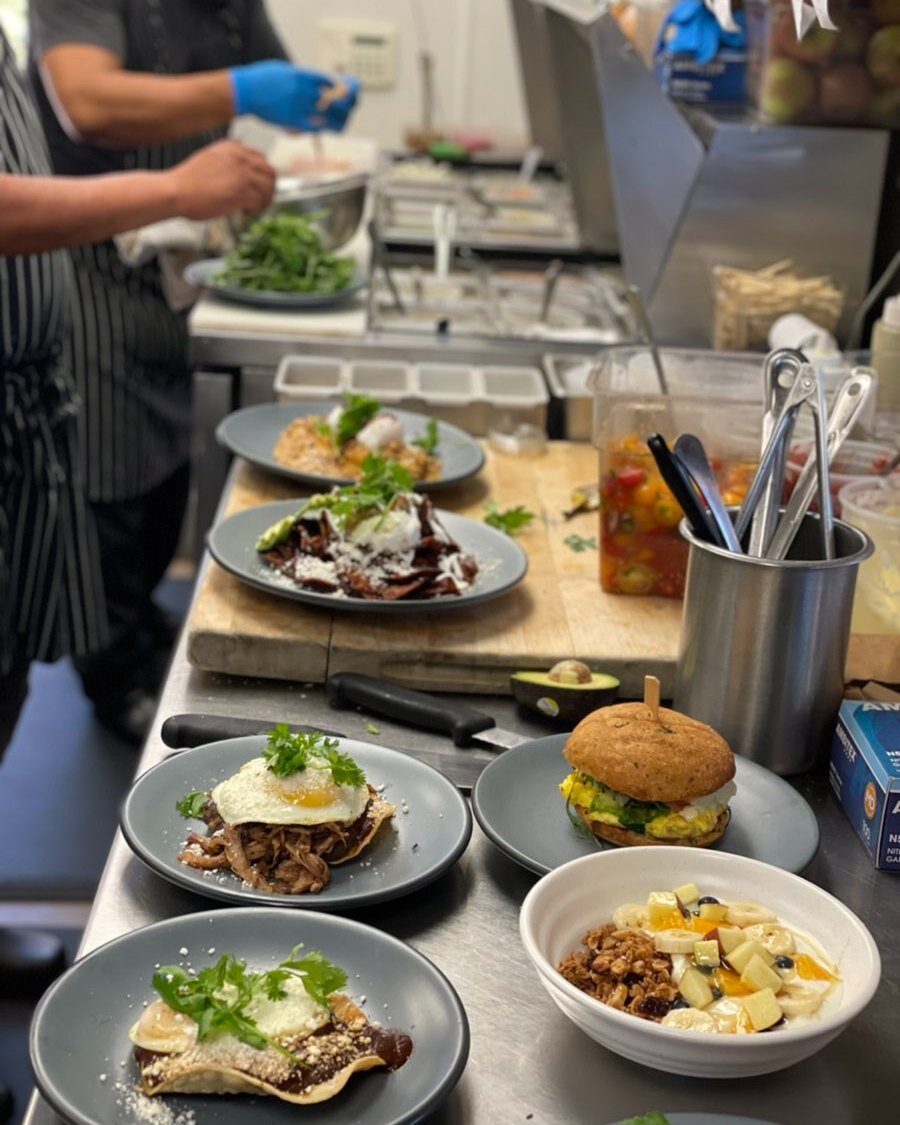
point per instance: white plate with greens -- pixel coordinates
(253, 432)
(204, 276)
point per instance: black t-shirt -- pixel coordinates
(150, 36)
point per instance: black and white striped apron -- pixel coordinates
(51, 600)
(129, 349)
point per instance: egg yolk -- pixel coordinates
(310, 798)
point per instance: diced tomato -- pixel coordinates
(632, 478)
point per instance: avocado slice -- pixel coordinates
(568, 692)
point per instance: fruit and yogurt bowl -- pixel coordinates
(834, 958)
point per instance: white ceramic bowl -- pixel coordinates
(581, 895)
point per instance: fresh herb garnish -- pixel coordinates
(428, 443)
(284, 254)
(371, 728)
(382, 482)
(511, 521)
(358, 410)
(287, 754)
(216, 998)
(579, 543)
(193, 804)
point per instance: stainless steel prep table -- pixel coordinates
(527, 1061)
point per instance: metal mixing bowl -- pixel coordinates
(337, 204)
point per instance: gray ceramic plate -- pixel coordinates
(202, 274)
(80, 1028)
(411, 850)
(770, 821)
(502, 562)
(710, 1119)
(253, 432)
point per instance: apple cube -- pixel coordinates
(687, 893)
(757, 975)
(728, 937)
(694, 988)
(707, 953)
(739, 957)
(661, 907)
(763, 1009)
(714, 911)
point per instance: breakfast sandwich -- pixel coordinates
(287, 1032)
(640, 779)
(284, 818)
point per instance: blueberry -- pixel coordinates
(717, 993)
(707, 969)
(784, 962)
(679, 1003)
(707, 900)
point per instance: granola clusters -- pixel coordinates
(623, 969)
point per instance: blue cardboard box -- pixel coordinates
(865, 776)
(720, 81)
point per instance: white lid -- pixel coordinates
(890, 314)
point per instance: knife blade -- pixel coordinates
(180, 732)
(465, 725)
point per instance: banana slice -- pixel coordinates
(675, 941)
(798, 1001)
(745, 914)
(689, 1019)
(776, 939)
(631, 916)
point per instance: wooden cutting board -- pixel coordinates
(558, 611)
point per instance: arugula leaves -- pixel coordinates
(284, 254)
(429, 443)
(217, 997)
(287, 753)
(192, 805)
(511, 521)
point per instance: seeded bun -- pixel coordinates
(624, 838)
(673, 759)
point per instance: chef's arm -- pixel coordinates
(98, 101)
(40, 213)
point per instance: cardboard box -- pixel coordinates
(721, 81)
(865, 776)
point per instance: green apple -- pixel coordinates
(815, 46)
(883, 56)
(885, 108)
(845, 93)
(788, 90)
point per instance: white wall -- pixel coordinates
(476, 63)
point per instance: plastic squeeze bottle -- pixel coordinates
(886, 356)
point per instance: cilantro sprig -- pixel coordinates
(287, 754)
(511, 520)
(382, 482)
(357, 411)
(429, 443)
(191, 806)
(217, 997)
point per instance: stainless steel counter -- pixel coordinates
(527, 1062)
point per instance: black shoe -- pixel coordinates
(29, 961)
(6, 1104)
(129, 717)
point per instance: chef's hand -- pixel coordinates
(293, 97)
(222, 178)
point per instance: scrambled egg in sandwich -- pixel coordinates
(640, 780)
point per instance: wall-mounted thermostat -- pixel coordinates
(361, 47)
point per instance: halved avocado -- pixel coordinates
(568, 692)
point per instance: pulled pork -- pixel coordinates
(290, 859)
(623, 969)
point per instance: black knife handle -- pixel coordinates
(181, 731)
(414, 708)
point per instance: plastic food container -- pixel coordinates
(855, 459)
(845, 77)
(715, 395)
(873, 505)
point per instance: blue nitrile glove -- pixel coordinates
(282, 93)
(692, 29)
(338, 112)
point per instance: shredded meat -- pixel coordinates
(623, 969)
(281, 858)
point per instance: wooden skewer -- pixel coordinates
(651, 696)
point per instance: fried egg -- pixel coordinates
(295, 1014)
(311, 796)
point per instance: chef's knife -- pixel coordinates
(464, 724)
(180, 732)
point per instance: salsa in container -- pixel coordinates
(715, 395)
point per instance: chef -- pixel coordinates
(141, 84)
(51, 597)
